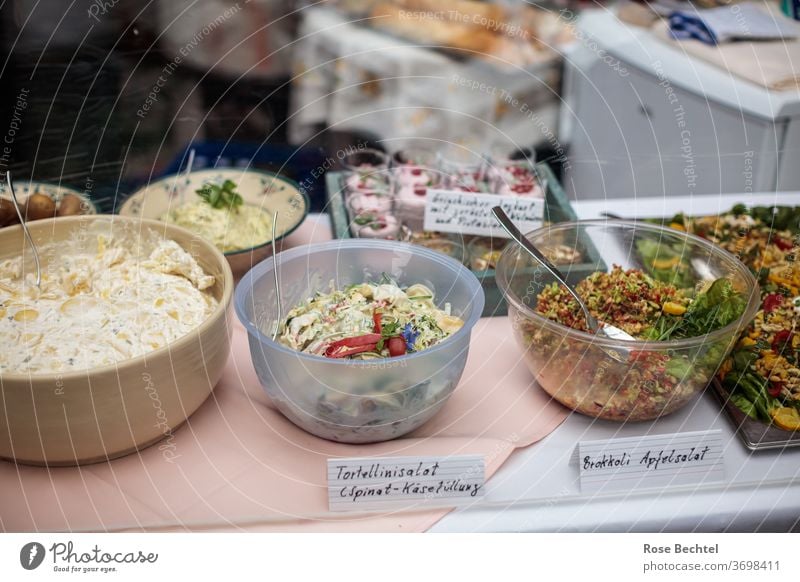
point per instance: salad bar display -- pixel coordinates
(363, 339)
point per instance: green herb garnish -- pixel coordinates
(224, 196)
(388, 330)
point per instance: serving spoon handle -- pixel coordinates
(25, 230)
(522, 241)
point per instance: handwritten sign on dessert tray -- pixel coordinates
(663, 460)
(471, 213)
(373, 483)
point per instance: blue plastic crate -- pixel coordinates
(294, 163)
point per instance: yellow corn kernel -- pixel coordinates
(26, 315)
(674, 308)
(746, 342)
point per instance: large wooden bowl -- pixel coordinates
(102, 413)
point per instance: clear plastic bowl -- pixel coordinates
(575, 367)
(346, 400)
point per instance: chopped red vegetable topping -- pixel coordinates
(397, 346)
(774, 389)
(772, 301)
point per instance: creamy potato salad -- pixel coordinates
(99, 308)
(369, 320)
(230, 229)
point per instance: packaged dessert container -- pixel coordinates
(357, 401)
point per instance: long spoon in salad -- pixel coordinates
(25, 229)
(277, 278)
(594, 326)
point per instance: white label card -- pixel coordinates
(663, 460)
(470, 213)
(371, 483)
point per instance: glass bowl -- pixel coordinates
(576, 368)
(347, 400)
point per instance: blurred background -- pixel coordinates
(107, 95)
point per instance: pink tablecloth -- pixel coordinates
(239, 464)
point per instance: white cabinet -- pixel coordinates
(659, 122)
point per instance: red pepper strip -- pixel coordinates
(774, 389)
(343, 352)
(376, 317)
(782, 243)
(369, 339)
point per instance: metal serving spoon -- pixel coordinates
(597, 328)
(277, 278)
(25, 230)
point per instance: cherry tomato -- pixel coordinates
(397, 346)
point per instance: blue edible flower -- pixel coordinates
(410, 336)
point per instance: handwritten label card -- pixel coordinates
(651, 461)
(363, 484)
(469, 213)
